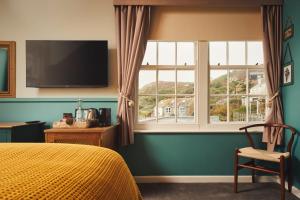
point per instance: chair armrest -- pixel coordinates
(251, 126)
(250, 140)
(271, 125)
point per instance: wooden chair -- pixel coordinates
(254, 154)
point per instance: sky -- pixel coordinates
(146, 76)
(164, 53)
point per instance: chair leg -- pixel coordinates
(236, 162)
(282, 177)
(290, 174)
(253, 171)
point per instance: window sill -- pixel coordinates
(193, 128)
(194, 131)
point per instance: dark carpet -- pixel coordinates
(212, 191)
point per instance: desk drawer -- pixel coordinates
(74, 138)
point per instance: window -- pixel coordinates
(237, 89)
(166, 85)
(201, 84)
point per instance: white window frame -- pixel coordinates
(228, 67)
(201, 87)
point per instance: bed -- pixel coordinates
(64, 171)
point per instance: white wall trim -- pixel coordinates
(209, 179)
(295, 190)
(199, 179)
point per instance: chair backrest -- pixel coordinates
(273, 126)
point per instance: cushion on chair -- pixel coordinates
(250, 152)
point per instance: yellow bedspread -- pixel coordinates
(64, 171)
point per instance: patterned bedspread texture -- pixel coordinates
(64, 171)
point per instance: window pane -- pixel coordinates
(236, 53)
(237, 109)
(185, 53)
(166, 109)
(217, 109)
(150, 54)
(255, 53)
(185, 81)
(147, 82)
(257, 108)
(218, 82)
(257, 84)
(147, 109)
(185, 109)
(166, 81)
(217, 53)
(237, 81)
(166, 53)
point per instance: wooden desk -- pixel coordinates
(11, 124)
(21, 132)
(99, 136)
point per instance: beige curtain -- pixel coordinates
(132, 27)
(272, 43)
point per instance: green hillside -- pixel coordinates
(237, 85)
(148, 103)
(165, 87)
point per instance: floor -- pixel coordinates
(212, 191)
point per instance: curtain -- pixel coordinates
(272, 45)
(132, 27)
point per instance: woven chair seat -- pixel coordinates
(259, 154)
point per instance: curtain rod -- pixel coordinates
(202, 3)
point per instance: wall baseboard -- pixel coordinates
(199, 179)
(295, 190)
(209, 179)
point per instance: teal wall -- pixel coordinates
(291, 94)
(48, 109)
(184, 153)
(152, 154)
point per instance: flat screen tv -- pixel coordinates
(57, 64)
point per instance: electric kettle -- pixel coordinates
(93, 117)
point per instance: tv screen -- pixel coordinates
(66, 64)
